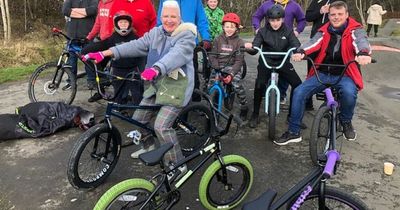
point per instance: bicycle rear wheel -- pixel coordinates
(271, 114)
(193, 127)
(94, 156)
(129, 194)
(48, 83)
(320, 133)
(334, 199)
(217, 191)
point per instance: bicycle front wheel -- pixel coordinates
(193, 127)
(230, 98)
(219, 190)
(271, 114)
(320, 134)
(49, 83)
(94, 156)
(129, 194)
(334, 199)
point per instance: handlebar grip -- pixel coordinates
(56, 30)
(374, 61)
(333, 156)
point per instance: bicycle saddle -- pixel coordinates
(261, 203)
(154, 157)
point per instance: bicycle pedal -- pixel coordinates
(135, 135)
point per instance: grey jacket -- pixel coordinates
(167, 51)
(79, 28)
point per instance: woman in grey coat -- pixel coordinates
(170, 52)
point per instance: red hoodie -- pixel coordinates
(142, 11)
(104, 21)
(348, 51)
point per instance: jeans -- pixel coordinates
(347, 91)
(73, 62)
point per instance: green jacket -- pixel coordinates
(214, 21)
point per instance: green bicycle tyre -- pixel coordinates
(272, 114)
(320, 133)
(335, 198)
(119, 193)
(234, 162)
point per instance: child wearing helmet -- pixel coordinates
(275, 36)
(228, 42)
(214, 17)
(125, 67)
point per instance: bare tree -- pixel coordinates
(360, 8)
(7, 8)
(4, 19)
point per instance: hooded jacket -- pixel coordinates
(293, 11)
(270, 40)
(223, 44)
(353, 42)
(103, 25)
(375, 13)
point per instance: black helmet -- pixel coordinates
(119, 16)
(276, 12)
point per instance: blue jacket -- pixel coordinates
(192, 11)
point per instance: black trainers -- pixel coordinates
(95, 97)
(254, 121)
(348, 131)
(287, 138)
(66, 87)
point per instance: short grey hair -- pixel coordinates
(171, 4)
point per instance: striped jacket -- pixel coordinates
(354, 42)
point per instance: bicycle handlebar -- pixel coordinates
(344, 66)
(57, 32)
(286, 54)
(230, 55)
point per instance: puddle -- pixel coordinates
(390, 92)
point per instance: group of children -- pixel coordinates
(274, 37)
(224, 30)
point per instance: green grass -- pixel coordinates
(16, 73)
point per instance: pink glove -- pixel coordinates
(149, 74)
(96, 56)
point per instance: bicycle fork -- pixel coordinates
(221, 94)
(274, 82)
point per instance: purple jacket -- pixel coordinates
(293, 12)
